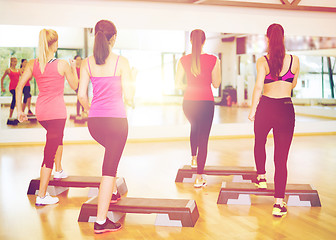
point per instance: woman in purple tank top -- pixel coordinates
(110, 76)
(277, 75)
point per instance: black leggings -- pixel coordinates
(12, 106)
(54, 138)
(279, 115)
(26, 93)
(112, 134)
(200, 115)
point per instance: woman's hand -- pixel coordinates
(251, 116)
(22, 116)
(72, 63)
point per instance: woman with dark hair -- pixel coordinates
(110, 75)
(201, 70)
(26, 89)
(277, 74)
(49, 73)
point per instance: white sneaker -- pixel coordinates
(59, 175)
(46, 200)
(200, 183)
(193, 163)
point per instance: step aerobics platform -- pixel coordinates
(170, 212)
(56, 187)
(241, 174)
(239, 193)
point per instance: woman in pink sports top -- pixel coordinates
(14, 75)
(272, 108)
(110, 75)
(50, 107)
(201, 70)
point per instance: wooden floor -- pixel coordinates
(149, 170)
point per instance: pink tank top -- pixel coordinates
(50, 101)
(199, 87)
(107, 98)
(14, 79)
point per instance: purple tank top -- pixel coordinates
(107, 98)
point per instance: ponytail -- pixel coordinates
(104, 31)
(47, 37)
(197, 38)
(276, 49)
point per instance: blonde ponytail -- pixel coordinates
(46, 38)
(197, 38)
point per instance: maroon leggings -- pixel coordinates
(276, 114)
(54, 138)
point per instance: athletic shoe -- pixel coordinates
(279, 211)
(108, 226)
(46, 200)
(261, 183)
(59, 175)
(200, 183)
(115, 197)
(193, 163)
(30, 112)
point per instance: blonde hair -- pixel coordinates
(47, 38)
(197, 38)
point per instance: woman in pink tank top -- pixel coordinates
(14, 75)
(50, 107)
(110, 76)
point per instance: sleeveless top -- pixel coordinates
(287, 77)
(50, 101)
(14, 79)
(107, 98)
(199, 87)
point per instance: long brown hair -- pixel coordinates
(104, 31)
(276, 48)
(197, 38)
(47, 38)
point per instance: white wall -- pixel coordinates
(158, 16)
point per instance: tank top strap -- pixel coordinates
(89, 67)
(115, 70)
(267, 60)
(290, 65)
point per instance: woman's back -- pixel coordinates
(107, 88)
(279, 88)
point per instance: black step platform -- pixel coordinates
(56, 187)
(188, 174)
(239, 193)
(31, 118)
(170, 212)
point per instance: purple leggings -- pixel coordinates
(277, 114)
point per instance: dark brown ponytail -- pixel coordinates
(197, 38)
(104, 31)
(276, 49)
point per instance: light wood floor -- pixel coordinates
(149, 170)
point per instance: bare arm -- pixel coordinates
(216, 75)
(2, 79)
(297, 71)
(83, 86)
(70, 72)
(261, 73)
(180, 73)
(126, 79)
(25, 77)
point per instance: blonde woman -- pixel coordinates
(49, 73)
(14, 75)
(202, 70)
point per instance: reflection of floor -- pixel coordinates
(157, 115)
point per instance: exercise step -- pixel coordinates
(241, 174)
(56, 187)
(170, 212)
(239, 193)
